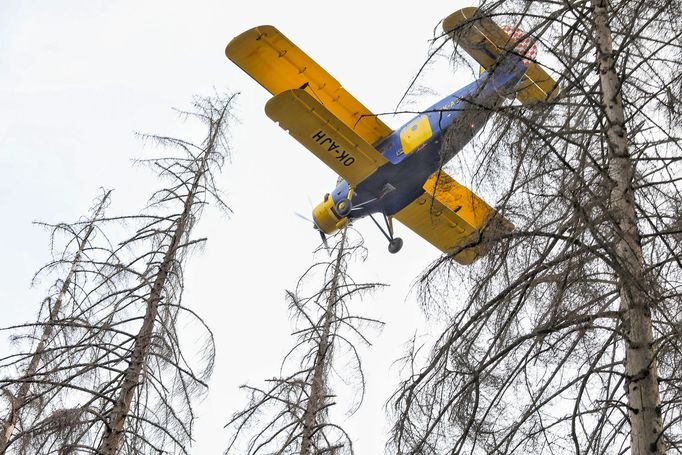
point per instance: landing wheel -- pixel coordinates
(395, 245)
(343, 207)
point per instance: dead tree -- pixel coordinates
(291, 415)
(144, 415)
(29, 393)
(569, 340)
(131, 386)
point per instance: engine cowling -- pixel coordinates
(326, 216)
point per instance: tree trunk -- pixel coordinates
(21, 398)
(318, 385)
(641, 374)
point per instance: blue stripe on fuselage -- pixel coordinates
(397, 183)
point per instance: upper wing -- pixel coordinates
(486, 42)
(330, 139)
(279, 65)
(453, 219)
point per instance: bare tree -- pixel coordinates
(29, 393)
(157, 373)
(131, 384)
(569, 341)
(291, 415)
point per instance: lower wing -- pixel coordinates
(325, 135)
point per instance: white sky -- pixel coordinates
(78, 77)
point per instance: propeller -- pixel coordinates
(305, 218)
(323, 236)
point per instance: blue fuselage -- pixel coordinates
(411, 160)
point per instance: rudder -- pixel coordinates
(487, 43)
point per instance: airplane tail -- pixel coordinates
(491, 46)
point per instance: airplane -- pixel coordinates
(398, 174)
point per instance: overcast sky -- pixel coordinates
(78, 78)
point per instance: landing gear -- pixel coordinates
(394, 243)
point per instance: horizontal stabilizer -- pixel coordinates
(453, 219)
(279, 65)
(487, 42)
(330, 139)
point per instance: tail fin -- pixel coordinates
(487, 42)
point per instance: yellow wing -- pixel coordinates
(486, 42)
(330, 139)
(279, 65)
(453, 219)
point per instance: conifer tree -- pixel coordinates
(130, 385)
(568, 339)
(291, 414)
(54, 338)
(150, 398)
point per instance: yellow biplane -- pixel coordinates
(397, 174)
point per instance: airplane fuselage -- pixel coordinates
(421, 147)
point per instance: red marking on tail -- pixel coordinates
(523, 43)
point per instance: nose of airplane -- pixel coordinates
(326, 215)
